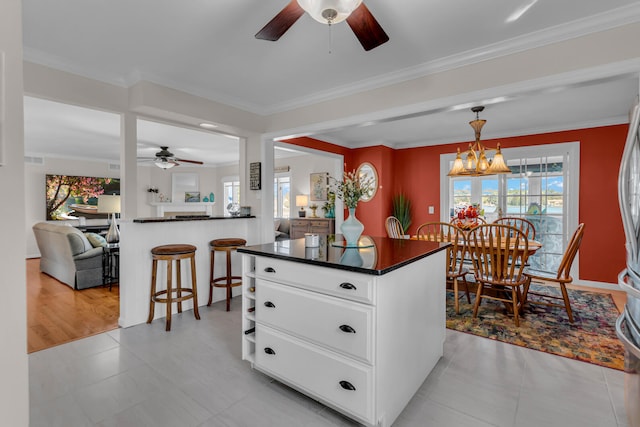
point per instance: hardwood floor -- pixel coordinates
(57, 314)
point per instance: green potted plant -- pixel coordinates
(402, 210)
(329, 206)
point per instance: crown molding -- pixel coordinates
(520, 132)
(604, 21)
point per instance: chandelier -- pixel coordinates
(329, 11)
(476, 162)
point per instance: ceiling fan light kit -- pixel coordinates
(476, 161)
(365, 27)
(165, 159)
(329, 11)
(165, 163)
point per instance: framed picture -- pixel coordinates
(254, 176)
(192, 196)
(319, 186)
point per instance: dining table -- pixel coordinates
(532, 245)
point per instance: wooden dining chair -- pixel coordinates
(456, 270)
(562, 276)
(499, 253)
(394, 228)
(521, 224)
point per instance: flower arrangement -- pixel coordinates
(352, 188)
(469, 212)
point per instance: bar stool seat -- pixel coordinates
(227, 281)
(171, 253)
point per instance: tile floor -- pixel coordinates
(193, 376)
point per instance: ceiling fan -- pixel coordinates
(165, 159)
(362, 23)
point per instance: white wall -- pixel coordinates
(14, 363)
(300, 169)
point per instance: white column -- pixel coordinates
(129, 166)
(14, 363)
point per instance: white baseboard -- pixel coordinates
(593, 284)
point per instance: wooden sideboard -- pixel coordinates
(299, 226)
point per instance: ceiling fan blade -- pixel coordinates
(366, 28)
(281, 22)
(189, 161)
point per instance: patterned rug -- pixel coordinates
(591, 338)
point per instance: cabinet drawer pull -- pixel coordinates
(347, 385)
(269, 270)
(269, 350)
(347, 285)
(269, 304)
(347, 328)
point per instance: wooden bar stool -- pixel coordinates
(170, 253)
(227, 245)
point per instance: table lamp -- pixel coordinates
(110, 204)
(302, 200)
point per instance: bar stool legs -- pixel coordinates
(171, 253)
(227, 281)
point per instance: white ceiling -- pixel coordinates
(208, 48)
(67, 131)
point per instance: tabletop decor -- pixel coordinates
(350, 190)
(591, 338)
(468, 216)
(329, 206)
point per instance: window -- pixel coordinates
(281, 195)
(541, 188)
(231, 193)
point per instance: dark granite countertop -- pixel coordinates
(178, 218)
(377, 256)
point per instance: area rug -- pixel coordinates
(591, 338)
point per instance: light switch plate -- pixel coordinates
(431, 210)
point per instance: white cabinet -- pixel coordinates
(360, 343)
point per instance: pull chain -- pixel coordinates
(329, 37)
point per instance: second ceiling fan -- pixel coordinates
(362, 23)
(165, 159)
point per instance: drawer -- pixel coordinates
(344, 326)
(298, 223)
(320, 229)
(317, 372)
(330, 281)
(319, 224)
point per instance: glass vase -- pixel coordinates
(351, 229)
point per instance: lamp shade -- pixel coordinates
(109, 204)
(329, 11)
(302, 200)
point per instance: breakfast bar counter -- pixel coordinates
(358, 329)
(138, 236)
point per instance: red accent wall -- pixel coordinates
(416, 172)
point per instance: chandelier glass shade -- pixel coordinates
(329, 11)
(475, 161)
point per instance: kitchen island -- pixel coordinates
(138, 236)
(357, 329)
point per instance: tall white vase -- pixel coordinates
(352, 229)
